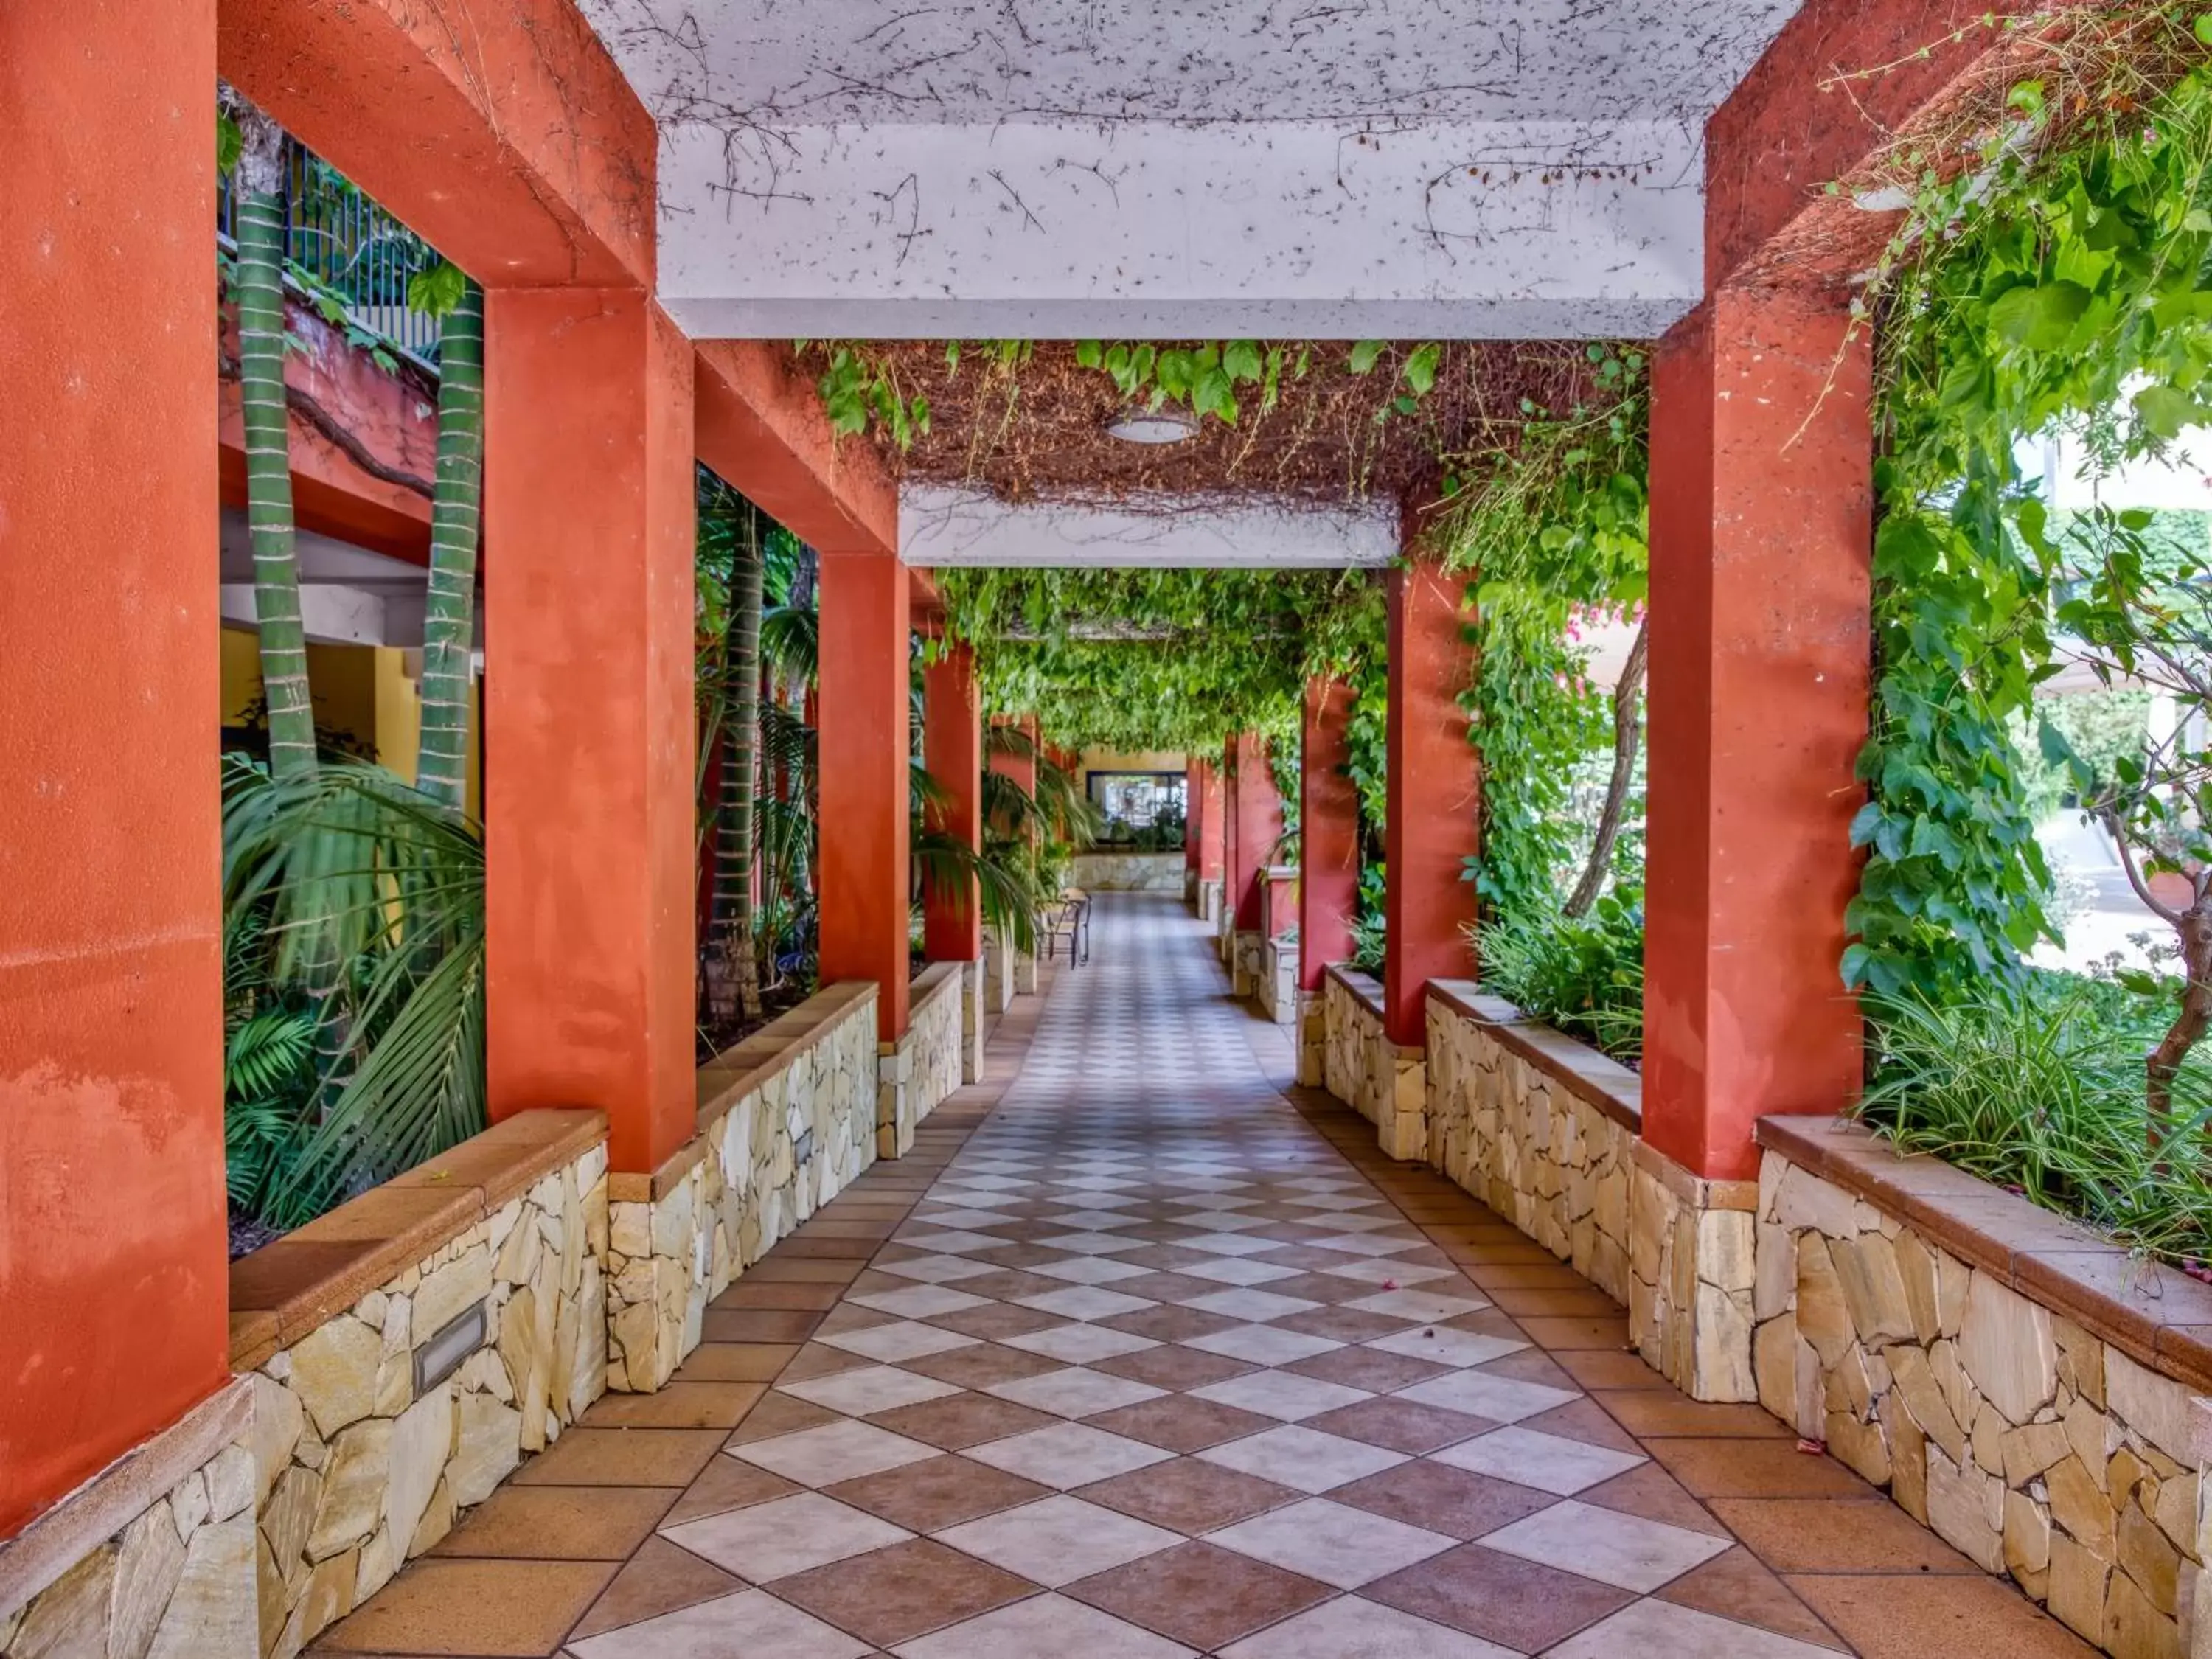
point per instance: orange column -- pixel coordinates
(1193, 792)
(865, 760)
(1256, 825)
(1208, 815)
(1328, 832)
(588, 810)
(112, 1281)
(1435, 794)
(952, 750)
(1761, 527)
(1020, 769)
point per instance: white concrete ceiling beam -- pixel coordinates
(941, 524)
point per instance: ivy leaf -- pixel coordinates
(2165, 411)
(436, 291)
(229, 143)
(1366, 355)
(1420, 370)
(2040, 319)
(1242, 360)
(1090, 354)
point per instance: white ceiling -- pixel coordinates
(1080, 168)
(946, 524)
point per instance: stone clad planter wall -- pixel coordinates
(1102, 871)
(1277, 982)
(1539, 1127)
(786, 1119)
(1385, 1085)
(152, 1558)
(354, 1468)
(2020, 1384)
(925, 1066)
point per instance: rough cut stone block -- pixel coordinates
(2006, 1346)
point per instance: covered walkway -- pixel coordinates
(1145, 1351)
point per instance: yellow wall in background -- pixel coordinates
(373, 691)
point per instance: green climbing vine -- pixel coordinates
(2051, 271)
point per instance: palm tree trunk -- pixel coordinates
(734, 859)
(259, 188)
(456, 509)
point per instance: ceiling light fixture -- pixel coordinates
(1153, 426)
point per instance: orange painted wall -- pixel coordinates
(1256, 825)
(113, 1288)
(1434, 786)
(952, 750)
(863, 725)
(1328, 832)
(1761, 537)
(588, 715)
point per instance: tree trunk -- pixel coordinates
(1625, 728)
(737, 987)
(2194, 928)
(456, 511)
(258, 186)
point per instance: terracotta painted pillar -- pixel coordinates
(1193, 790)
(1761, 526)
(1329, 833)
(1255, 826)
(952, 750)
(112, 1278)
(588, 810)
(1212, 818)
(1434, 795)
(1020, 769)
(863, 772)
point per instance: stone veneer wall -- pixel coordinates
(1539, 1127)
(922, 1067)
(1384, 1084)
(1104, 871)
(1208, 902)
(786, 1119)
(1276, 983)
(354, 1473)
(152, 1558)
(2030, 1440)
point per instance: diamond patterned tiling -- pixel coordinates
(1150, 1369)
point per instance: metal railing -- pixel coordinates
(339, 242)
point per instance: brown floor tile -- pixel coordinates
(1838, 1534)
(1540, 1272)
(1330, 1288)
(778, 1414)
(995, 1321)
(660, 1578)
(1891, 1617)
(1594, 1368)
(1177, 1423)
(759, 1325)
(560, 1523)
(1166, 1288)
(679, 1405)
(1650, 1491)
(896, 1595)
(1403, 1425)
(801, 1270)
(1755, 1468)
(754, 1291)
(1647, 1412)
(1456, 1502)
(980, 1366)
(1585, 1303)
(1189, 1495)
(1533, 1365)
(808, 1244)
(1007, 1285)
(495, 1609)
(1583, 1420)
(962, 1420)
(1735, 1585)
(1511, 1256)
(1173, 1367)
(1610, 1332)
(851, 1317)
(1499, 1598)
(1367, 1368)
(819, 1359)
(937, 1493)
(736, 1362)
(727, 1483)
(1166, 1324)
(1200, 1594)
(1340, 1324)
(622, 1457)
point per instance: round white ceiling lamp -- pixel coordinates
(1153, 426)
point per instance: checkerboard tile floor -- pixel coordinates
(1132, 1359)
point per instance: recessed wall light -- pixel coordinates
(1153, 426)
